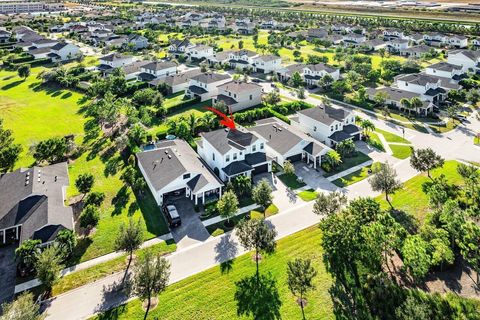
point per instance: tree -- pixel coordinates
(151, 277)
(272, 98)
(22, 308)
(367, 126)
(147, 97)
(255, 234)
(288, 168)
(330, 203)
(406, 104)
(50, 150)
(441, 253)
(326, 81)
(227, 206)
(129, 238)
(84, 183)
(416, 257)
(413, 309)
(89, 217)
(262, 194)
(24, 71)
(471, 177)
(380, 98)
(300, 274)
(137, 135)
(452, 111)
(95, 198)
(66, 241)
(296, 80)
(9, 151)
(345, 148)
(26, 257)
(48, 266)
(385, 180)
(242, 185)
(425, 160)
(416, 103)
(333, 159)
(470, 246)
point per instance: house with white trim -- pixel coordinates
(239, 95)
(205, 85)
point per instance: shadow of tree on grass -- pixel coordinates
(12, 85)
(258, 297)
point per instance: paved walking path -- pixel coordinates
(350, 170)
(217, 219)
(93, 262)
(384, 141)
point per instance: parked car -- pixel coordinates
(171, 213)
(460, 117)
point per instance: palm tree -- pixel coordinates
(367, 126)
(210, 120)
(406, 104)
(193, 122)
(416, 103)
(333, 158)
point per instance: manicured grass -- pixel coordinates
(352, 178)
(375, 142)
(443, 128)
(400, 151)
(216, 228)
(390, 137)
(412, 200)
(476, 140)
(308, 195)
(347, 163)
(291, 181)
(35, 112)
(82, 277)
(210, 294)
(174, 99)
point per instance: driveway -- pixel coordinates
(313, 177)
(283, 198)
(192, 230)
(7, 273)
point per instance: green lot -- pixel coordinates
(35, 113)
(210, 294)
(347, 163)
(352, 177)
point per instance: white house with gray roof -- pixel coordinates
(114, 60)
(239, 95)
(327, 124)
(199, 52)
(446, 70)
(310, 73)
(233, 152)
(266, 63)
(177, 82)
(172, 166)
(395, 95)
(469, 59)
(285, 142)
(157, 69)
(205, 85)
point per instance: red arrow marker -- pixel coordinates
(226, 121)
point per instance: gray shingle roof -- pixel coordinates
(240, 87)
(223, 140)
(325, 114)
(210, 77)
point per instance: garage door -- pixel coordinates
(294, 158)
(260, 169)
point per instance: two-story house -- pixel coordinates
(239, 95)
(205, 85)
(435, 39)
(457, 41)
(199, 52)
(395, 95)
(354, 39)
(285, 142)
(429, 87)
(233, 152)
(157, 69)
(468, 59)
(242, 59)
(317, 33)
(137, 42)
(171, 167)
(179, 47)
(313, 72)
(398, 45)
(391, 34)
(446, 70)
(177, 82)
(64, 51)
(329, 125)
(114, 60)
(266, 63)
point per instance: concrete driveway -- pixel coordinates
(283, 197)
(313, 177)
(192, 230)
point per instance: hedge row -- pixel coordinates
(183, 105)
(21, 59)
(34, 63)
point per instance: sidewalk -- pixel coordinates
(90, 263)
(217, 219)
(103, 295)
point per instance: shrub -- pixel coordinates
(89, 217)
(218, 232)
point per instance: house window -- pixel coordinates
(314, 128)
(261, 146)
(331, 128)
(254, 148)
(235, 95)
(251, 97)
(213, 156)
(186, 176)
(235, 156)
(336, 127)
(227, 158)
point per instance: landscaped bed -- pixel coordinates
(348, 163)
(291, 181)
(308, 195)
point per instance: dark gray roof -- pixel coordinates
(34, 199)
(159, 65)
(320, 67)
(418, 78)
(229, 101)
(146, 76)
(177, 78)
(394, 94)
(471, 54)
(197, 90)
(325, 114)
(114, 56)
(240, 87)
(445, 66)
(223, 140)
(44, 41)
(210, 77)
(59, 46)
(313, 148)
(256, 158)
(171, 159)
(339, 136)
(266, 58)
(351, 129)
(39, 50)
(237, 167)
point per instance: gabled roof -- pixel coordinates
(418, 78)
(325, 114)
(223, 140)
(159, 65)
(444, 66)
(210, 77)
(176, 79)
(240, 87)
(471, 54)
(114, 56)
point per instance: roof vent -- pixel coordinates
(169, 157)
(279, 129)
(166, 151)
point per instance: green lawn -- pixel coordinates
(411, 198)
(401, 152)
(352, 178)
(308, 195)
(390, 137)
(210, 294)
(82, 277)
(174, 99)
(347, 163)
(450, 125)
(291, 181)
(36, 113)
(375, 142)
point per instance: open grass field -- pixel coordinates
(401, 152)
(390, 137)
(352, 178)
(411, 199)
(347, 163)
(210, 294)
(35, 113)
